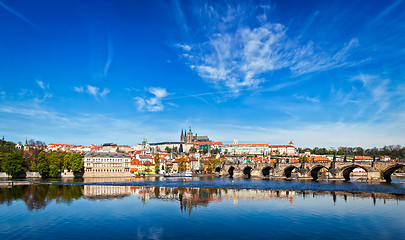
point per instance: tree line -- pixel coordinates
(15, 161)
(393, 151)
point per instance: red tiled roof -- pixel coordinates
(363, 158)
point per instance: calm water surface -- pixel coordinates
(242, 210)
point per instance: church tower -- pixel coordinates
(181, 136)
(189, 136)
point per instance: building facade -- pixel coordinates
(259, 149)
(106, 164)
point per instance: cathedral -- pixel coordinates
(189, 137)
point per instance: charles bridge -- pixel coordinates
(376, 171)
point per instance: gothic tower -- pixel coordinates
(189, 136)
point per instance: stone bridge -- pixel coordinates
(376, 171)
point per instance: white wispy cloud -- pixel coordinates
(307, 98)
(185, 47)
(78, 89)
(377, 93)
(235, 55)
(41, 84)
(152, 104)
(32, 111)
(109, 57)
(17, 14)
(93, 91)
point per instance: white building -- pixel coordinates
(259, 149)
(284, 149)
(161, 147)
(246, 149)
(106, 164)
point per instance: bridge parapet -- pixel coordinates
(376, 171)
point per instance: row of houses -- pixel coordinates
(179, 147)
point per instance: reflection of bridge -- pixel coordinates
(376, 171)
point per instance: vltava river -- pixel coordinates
(132, 211)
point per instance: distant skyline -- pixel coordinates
(319, 73)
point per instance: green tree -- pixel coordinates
(73, 162)
(303, 159)
(157, 163)
(43, 165)
(193, 150)
(359, 151)
(67, 160)
(77, 163)
(167, 150)
(54, 164)
(7, 147)
(14, 164)
(2, 160)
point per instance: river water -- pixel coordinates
(202, 209)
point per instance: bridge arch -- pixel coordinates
(266, 171)
(386, 174)
(288, 170)
(247, 172)
(231, 170)
(349, 169)
(315, 170)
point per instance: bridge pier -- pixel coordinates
(334, 174)
(238, 174)
(303, 173)
(373, 175)
(256, 173)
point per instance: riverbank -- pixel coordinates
(18, 183)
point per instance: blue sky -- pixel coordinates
(319, 73)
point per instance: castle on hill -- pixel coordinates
(189, 137)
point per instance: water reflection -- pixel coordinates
(37, 197)
(105, 192)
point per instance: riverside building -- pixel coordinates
(106, 164)
(259, 149)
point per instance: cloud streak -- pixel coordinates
(17, 14)
(109, 58)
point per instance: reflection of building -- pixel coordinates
(194, 197)
(106, 191)
(106, 164)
